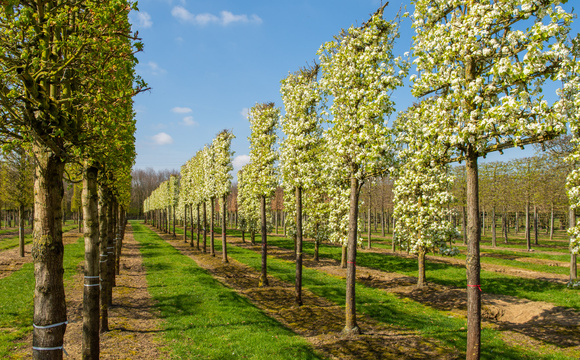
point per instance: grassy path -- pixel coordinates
(205, 319)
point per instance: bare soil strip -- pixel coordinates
(524, 322)
(318, 320)
(11, 261)
(133, 320)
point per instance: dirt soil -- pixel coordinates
(133, 320)
(318, 320)
(11, 261)
(533, 322)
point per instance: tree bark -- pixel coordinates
(91, 289)
(104, 243)
(224, 243)
(343, 257)
(204, 227)
(535, 224)
(369, 219)
(464, 226)
(21, 229)
(47, 254)
(298, 283)
(264, 274)
(552, 222)
(351, 327)
(185, 223)
(573, 263)
(211, 228)
(421, 280)
(528, 238)
(473, 260)
(493, 234)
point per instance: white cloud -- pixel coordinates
(162, 139)
(155, 68)
(245, 112)
(240, 161)
(225, 18)
(181, 110)
(144, 20)
(188, 121)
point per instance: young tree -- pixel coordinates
(262, 178)
(485, 64)
(223, 179)
(300, 149)
(248, 204)
(358, 70)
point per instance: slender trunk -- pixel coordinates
(517, 222)
(119, 242)
(573, 263)
(264, 274)
(110, 249)
(253, 237)
(276, 219)
(185, 223)
(369, 219)
(473, 261)
(483, 222)
(351, 327)
(211, 228)
(47, 254)
(382, 220)
(21, 230)
(421, 280)
(224, 244)
(343, 257)
(505, 226)
(298, 283)
(91, 290)
(243, 236)
(535, 224)
(464, 226)
(552, 222)
(493, 234)
(316, 249)
(204, 227)
(104, 243)
(528, 238)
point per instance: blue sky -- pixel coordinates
(207, 62)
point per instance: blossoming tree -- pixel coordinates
(262, 179)
(358, 69)
(485, 64)
(223, 180)
(301, 125)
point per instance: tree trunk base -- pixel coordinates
(348, 331)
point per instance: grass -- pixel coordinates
(12, 242)
(16, 299)
(205, 319)
(403, 314)
(452, 275)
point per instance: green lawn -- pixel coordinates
(204, 319)
(12, 242)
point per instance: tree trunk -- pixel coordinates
(211, 228)
(505, 226)
(21, 230)
(552, 222)
(493, 234)
(573, 263)
(47, 253)
(351, 327)
(264, 274)
(382, 221)
(369, 220)
(421, 280)
(343, 257)
(91, 290)
(224, 244)
(298, 283)
(185, 224)
(528, 238)
(473, 260)
(517, 222)
(110, 248)
(204, 226)
(104, 243)
(535, 224)
(464, 226)
(483, 223)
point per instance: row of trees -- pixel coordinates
(66, 89)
